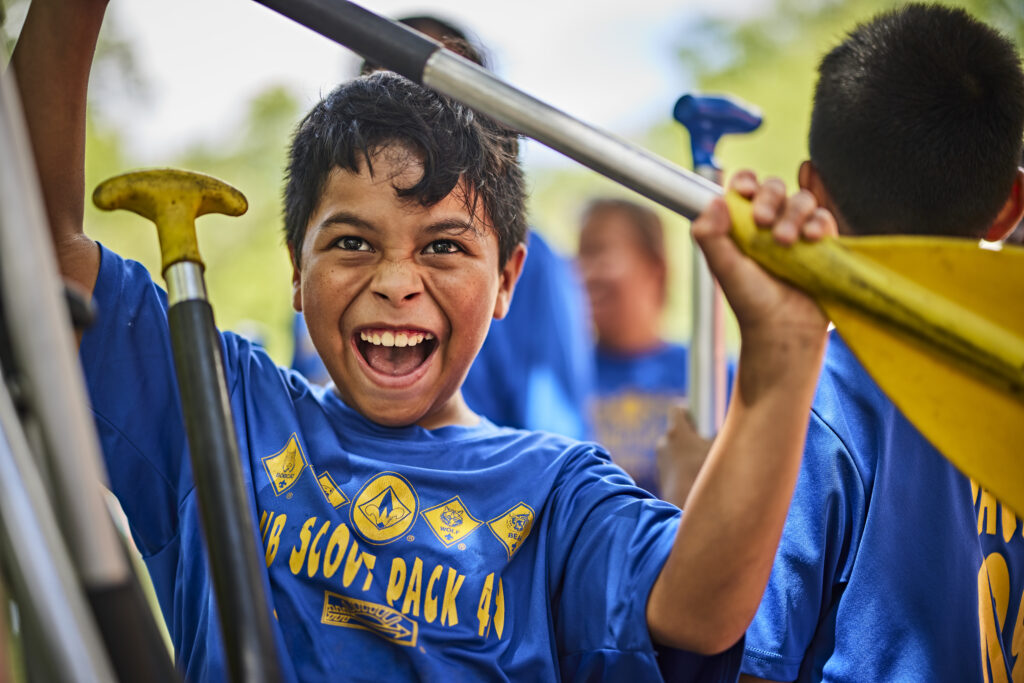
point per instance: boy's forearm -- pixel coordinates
(51, 63)
(712, 582)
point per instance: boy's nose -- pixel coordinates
(396, 281)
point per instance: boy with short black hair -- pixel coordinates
(890, 555)
(405, 537)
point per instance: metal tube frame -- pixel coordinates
(638, 169)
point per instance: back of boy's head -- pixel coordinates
(917, 123)
(369, 114)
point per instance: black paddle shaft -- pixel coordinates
(380, 40)
(224, 509)
(420, 59)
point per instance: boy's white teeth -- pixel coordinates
(400, 339)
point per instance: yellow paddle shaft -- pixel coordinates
(828, 270)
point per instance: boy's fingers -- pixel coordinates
(769, 202)
(797, 211)
(744, 183)
(713, 221)
(820, 224)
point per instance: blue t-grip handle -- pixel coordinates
(709, 117)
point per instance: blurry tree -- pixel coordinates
(247, 268)
(12, 16)
(768, 59)
(248, 273)
(771, 59)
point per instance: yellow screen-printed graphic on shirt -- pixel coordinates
(285, 466)
(513, 527)
(450, 521)
(629, 424)
(384, 508)
(340, 610)
(1000, 531)
(331, 491)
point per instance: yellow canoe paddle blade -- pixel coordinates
(939, 325)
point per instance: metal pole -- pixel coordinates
(216, 467)
(172, 200)
(45, 356)
(37, 562)
(35, 310)
(706, 374)
(708, 118)
(425, 61)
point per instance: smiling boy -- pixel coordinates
(404, 536)
(374, 271)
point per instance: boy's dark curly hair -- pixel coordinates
(374, 112)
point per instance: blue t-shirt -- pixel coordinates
(631, 405)
(461, 553)
(886, 555)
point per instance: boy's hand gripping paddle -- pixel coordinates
(172, 200)
(708, 118)
(939, 323)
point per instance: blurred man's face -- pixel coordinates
(624, 282)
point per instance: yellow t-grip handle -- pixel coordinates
(172, 199)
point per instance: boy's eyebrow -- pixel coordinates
(452, 226)
(346, 218)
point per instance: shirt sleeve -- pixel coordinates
(819, 543)
(608, 543)
(129, 371)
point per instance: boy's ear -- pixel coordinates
(809, 179)
(296, 280)
(1011, 212)
(508, 277)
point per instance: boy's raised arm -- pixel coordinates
(51, 63)
(710, 586)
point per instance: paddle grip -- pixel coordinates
(708, 118)
(223, 505)
(380, 40)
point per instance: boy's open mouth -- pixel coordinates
(395, 352)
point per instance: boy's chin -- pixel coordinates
(394, 418)
(395, 413)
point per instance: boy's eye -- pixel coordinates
(350, 243)
(442, 247)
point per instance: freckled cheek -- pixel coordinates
(468, 302)
(327, 293)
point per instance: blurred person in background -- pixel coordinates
(535, 369)
(640, 376)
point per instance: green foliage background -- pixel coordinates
(767, 59)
